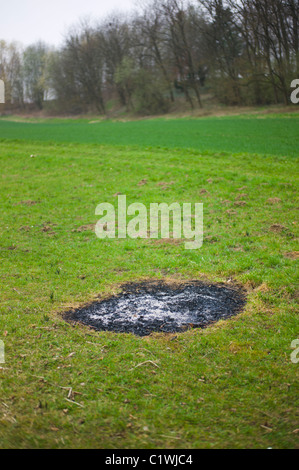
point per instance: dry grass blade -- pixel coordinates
(145, 362)
(74, 402)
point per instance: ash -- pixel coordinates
(155, 306)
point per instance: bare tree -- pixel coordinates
(34, 67)
(114, 36)
(12, 73)
(178, 19)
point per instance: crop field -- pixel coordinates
(230, 385)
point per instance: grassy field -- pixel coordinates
(230, 385)
(273, 134)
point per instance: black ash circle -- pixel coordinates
(146, 307)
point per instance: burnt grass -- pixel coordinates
(156, 306)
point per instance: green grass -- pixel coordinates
(229, 385)
(270, 134)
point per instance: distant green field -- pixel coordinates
(263, 134)
(231, 385)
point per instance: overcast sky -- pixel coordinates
(30, 20)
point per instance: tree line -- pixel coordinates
(240, 52)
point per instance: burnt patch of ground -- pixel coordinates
(157, 306)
